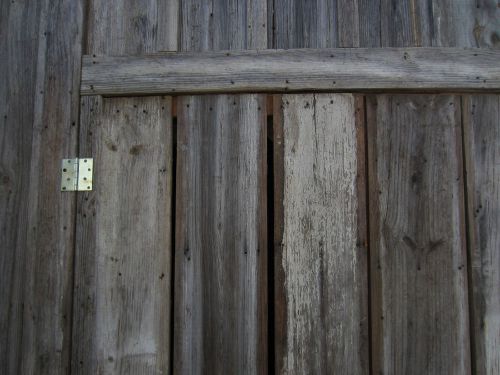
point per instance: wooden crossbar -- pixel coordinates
(295, 70)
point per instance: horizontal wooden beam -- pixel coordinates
(295, 70)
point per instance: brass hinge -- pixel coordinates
(76, 174)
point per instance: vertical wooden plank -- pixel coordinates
(220, 310)
(305, 24)
(18, 67)
(122, 313)
(120, 27)
(481, 28)
(326, 23)
(220, 236)
(323, 254)
(40, 64)
(482, 146)
(123, 238)
(419, 272)
(319, 277)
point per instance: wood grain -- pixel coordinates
(123, 279)
(417, 234)
(220, 313)
(323, 252)
(220, 276)
(122, 311)
(17, 97)
(482, 30)
(40, 56)
(405, 69)
(325, 23)
(134, 28)
(482, 146)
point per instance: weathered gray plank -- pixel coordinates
(123, 277)
(40, 63)
(220, 278)
(482, 29)
(482, 147)
(325, 23)
(304, 292)
(18, 25)
(323, 252)
(122, 320)
(418, 260)
(223, 25)
(405, 69)
(122, 27)
(220, 309)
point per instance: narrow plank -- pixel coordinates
(323, 252)
(122, 313)
(482, 29)
(18, 26)
(344, 69)
(122, 289)
(482, 145)
(418, 258)
(40, 63)
(220, 309)
(220, 258)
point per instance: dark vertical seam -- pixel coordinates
(172, 237)
(468, 225)
(83, 47)
(368, 242)
(270, 248)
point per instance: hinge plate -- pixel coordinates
(76, 174)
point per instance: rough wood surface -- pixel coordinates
(220, 275)
(443, 23)
(404, 69)
(482, 146)
(123, 279)
(17, 97)
(324, 23)
(138, 27)
(220, 309)
(122, 311)
(323, 252)
(40, 57)
(418, 254)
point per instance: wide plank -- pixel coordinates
(123, 265)
(334, 70)
(123, 277)
(321, 256)
(417, 235)
(482, 154)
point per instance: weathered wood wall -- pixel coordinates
(384, 255)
